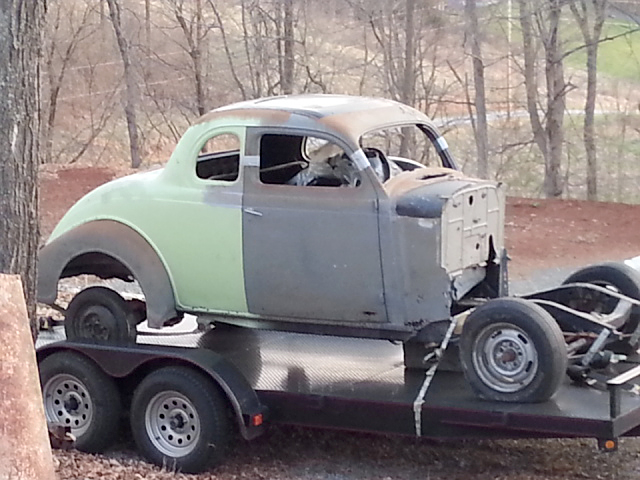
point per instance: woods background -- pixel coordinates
(542, 95)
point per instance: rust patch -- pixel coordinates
(356, 123)
(25, 453)
(407, 181)
(268, 116)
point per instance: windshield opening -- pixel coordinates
(416, 145)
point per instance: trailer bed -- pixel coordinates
(362, 385)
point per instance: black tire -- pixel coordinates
(622, 278)
(194, 435)
(100, 314)
(533, 358)
(239, 345)
(78, 394)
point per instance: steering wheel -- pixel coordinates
(379, 163)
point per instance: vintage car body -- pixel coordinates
(262, 235)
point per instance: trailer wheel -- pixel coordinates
(180, 420)
(239, 345)
(620, 277)
(79, 395)
(512, 350)
(100, 314)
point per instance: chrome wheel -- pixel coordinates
(505, 358)
(172, 423)
(67, 401)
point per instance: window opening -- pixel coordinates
(307, 161)
(219, 158)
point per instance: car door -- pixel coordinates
(310, 251)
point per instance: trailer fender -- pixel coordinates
(122, 362)
(107, 249)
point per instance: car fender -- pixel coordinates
(82, 250)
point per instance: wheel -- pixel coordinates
(512, 350)
(239, 345)
(619, 277)
(100, 314)
(179, 419)
(78, 394)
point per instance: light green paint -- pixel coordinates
(200, 244)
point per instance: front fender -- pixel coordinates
(84, 249)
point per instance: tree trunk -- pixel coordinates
(548, 136)
(195, 39)
(481, 131)
(131, 87)
(21, 23)
(591, 36)
(408, 93)
(530, 77)
(201, 96)
(555, 103)
(288, 46)
(147, 23)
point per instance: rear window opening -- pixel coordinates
(219, 158)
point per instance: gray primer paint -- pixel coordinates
(426, 285)
(312, 252)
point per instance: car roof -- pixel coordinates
(314, 105)
(345, 113)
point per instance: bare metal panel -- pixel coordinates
(425, 286)
(312, 252)
(470, 218)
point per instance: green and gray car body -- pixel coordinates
(373, 245)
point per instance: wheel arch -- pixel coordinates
(108, 249)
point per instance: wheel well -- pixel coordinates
(99, 264)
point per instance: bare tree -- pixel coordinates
(590, 16)
(20, 52)
(266, 60)
(394, 27)
(131, 86)
(66, 30)
(481, 129)
(288, 40)
(195, 33)
(541, 20)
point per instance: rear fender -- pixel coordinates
(107, 249)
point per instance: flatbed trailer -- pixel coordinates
(343, 383)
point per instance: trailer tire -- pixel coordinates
(239, 345)
(100, 314)
(180, 420)
(78, 394)
(623, 278)
(512, 350)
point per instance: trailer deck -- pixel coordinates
(362, 385)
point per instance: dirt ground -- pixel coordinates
(539, 234)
